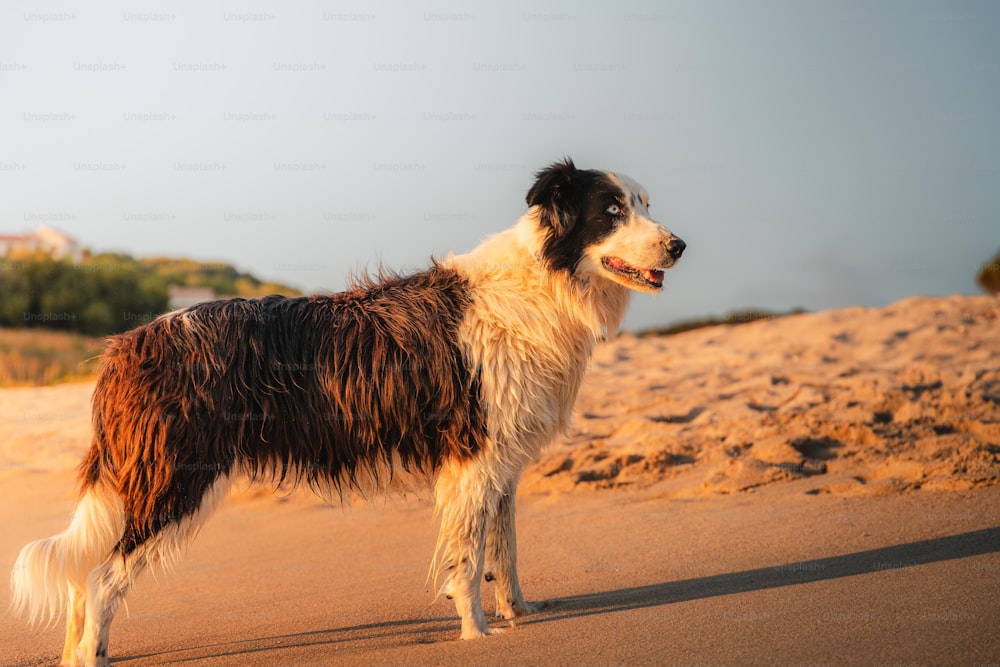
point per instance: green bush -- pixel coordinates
(90, 298)
(989, 275)
(107, 293)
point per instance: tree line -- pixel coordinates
(989, 275)
(108, 293)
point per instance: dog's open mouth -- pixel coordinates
(642, 277)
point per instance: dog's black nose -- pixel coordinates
(676, 247)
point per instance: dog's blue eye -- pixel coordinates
(613, 210)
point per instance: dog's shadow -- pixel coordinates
(409, 631)
(429, 630)
(902, 556)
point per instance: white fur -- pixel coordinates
(530, 333)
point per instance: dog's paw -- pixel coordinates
(476, 633)
(516, 609)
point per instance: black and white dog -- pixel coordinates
(462, 373)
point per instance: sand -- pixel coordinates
(816, 489)
(863, 401)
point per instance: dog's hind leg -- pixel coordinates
(106, 587)
(466, 498)
(501, 559)
(109, 583)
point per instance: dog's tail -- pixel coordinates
(45, 569)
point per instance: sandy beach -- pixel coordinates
(815, 489)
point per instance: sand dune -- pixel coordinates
(819, 488)
(862, 401)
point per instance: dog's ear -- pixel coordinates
(554, 195)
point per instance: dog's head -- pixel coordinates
(596, 225)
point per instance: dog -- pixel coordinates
(461, 373)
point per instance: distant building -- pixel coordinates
(182, 297)
(44, 239)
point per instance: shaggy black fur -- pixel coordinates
(314, 389)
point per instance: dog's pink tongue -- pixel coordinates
(653, 275)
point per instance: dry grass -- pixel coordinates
(40, 357)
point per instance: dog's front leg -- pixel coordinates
(466, 499)
(501, 558)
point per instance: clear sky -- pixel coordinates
(815, 154)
